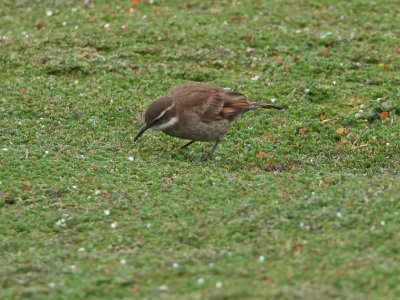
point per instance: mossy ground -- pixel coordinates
(299, 204)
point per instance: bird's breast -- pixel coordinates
(196, 130)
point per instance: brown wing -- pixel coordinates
(226, 104)
(215, 104)
(205, 99)
(212, 103)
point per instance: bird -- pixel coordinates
(197, 112)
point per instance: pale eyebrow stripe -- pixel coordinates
(164, 111)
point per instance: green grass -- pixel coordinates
(321, 207)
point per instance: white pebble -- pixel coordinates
(74, 187)
(383, 223)
(175, 265)
(107, 212)
(46, 152)
(200, 280)
(106, 25)
(339, 214)
(307, 91)
(261, 258)
(122, 262)
(131, 158)
(334, 82)
(255, 78)
(61, 223)
(97, 192)
(72, 267)
(218, 285)
(274, 100)
(250, 50)
(114, 225)
(148, 225)
(163, 288)
(49, 13)
(387, 144)
(64, 23)
(4, 149)
(81, 249)
(52, 285)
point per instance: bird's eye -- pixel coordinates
(156, 121)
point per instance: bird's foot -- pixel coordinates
(206, 157)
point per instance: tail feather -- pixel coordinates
(265, 105)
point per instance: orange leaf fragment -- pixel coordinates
(261, 154)
(21, 90)
(384, 114)
(26, 187)
(135, 1)
(396, 50)
(271, 160)
(301, 130)
(340, 130)
(278, 59)
(326, 179)
(298, 248)
(229, 166)
(247, 37)
(324, 51)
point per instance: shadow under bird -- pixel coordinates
(197, 112)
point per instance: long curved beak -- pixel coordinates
(141, 131)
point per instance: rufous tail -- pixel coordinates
(265, 105)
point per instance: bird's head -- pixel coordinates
(160, 115)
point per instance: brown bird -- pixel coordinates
(197, 112)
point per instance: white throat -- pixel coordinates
(169, 124)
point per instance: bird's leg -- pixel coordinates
(208, 156)
(187, 145)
